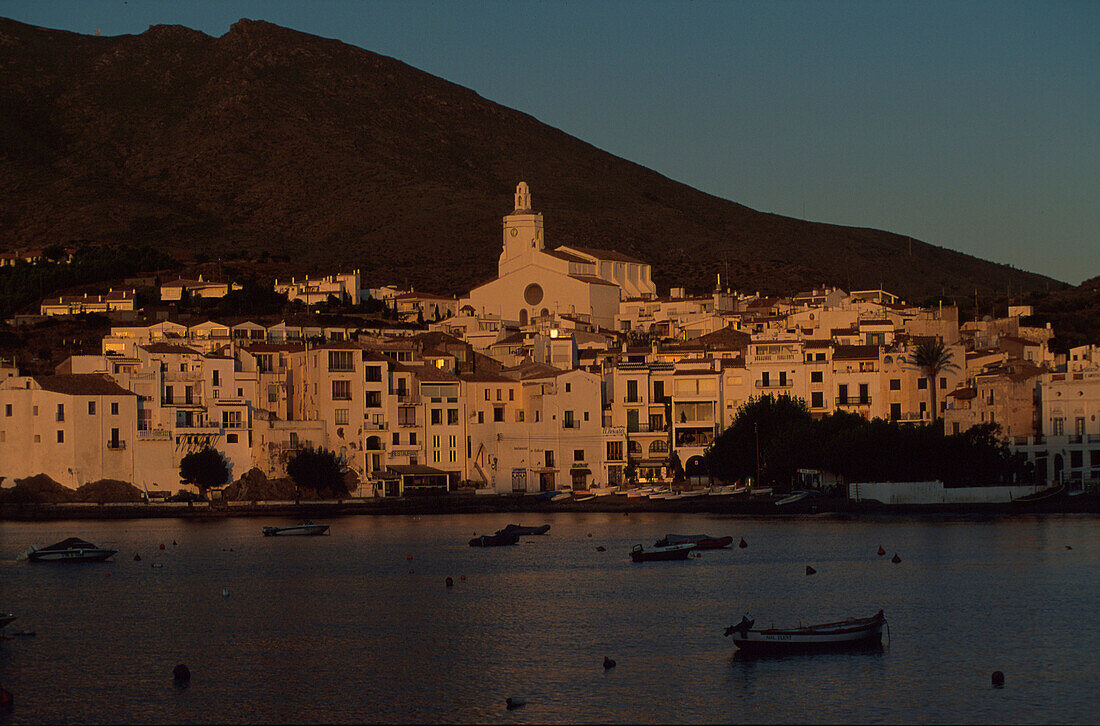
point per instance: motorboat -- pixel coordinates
(701, 541)
(520, 530)
(850, 634)
(655, 554)
(495, 540)
(72, 549)
(6, 618)
(306, 528)
(1042, 495)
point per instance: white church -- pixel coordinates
(533, 282)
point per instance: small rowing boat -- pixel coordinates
(850, 634)
(306, 528)
(658, 554)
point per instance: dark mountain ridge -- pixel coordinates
(270, 140)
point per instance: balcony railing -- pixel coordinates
(570, 424)
(853, 400)
(1076, 438)
(646, 428)
(774, 384)
(1094, 438)
(116, 444)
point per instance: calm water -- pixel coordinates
(347, 628)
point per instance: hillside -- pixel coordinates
(269, 143)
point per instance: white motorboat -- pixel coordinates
(306, 528)
(72, 549)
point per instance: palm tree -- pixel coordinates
(932, 357)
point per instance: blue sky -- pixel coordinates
(971, 125)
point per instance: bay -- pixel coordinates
(359, 626)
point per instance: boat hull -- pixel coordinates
(661, 554)
(72, 556)
(856, 634)
(301, 530)
(520, 530)
(494, 540)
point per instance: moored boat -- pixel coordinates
(72, 549)
(655, 554)
(494, 540)
(6, 618)
(850, 634)
(520, 530)
(306, 528)
(701, 541)
(1043, 495)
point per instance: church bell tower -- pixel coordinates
(522, 233)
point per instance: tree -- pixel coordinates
(932, 357)
(320, 470)
(777, 432)
(676, 468)
(204, 469)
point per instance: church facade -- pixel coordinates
(534, 283)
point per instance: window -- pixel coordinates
(631, 391)
(435, 456)
(35, 411)
(615, 450)
(451, 455)
(114, 408)
(37, 439)
(60, 436)
(1058, 426)
(451, 441)
(341, 417)
(498, 394)
(895, 384)
(481, 417)
(435, 441)
(341, 361)
(511, 394)
(437, 416)
(487, 397)
(60, 412)
(817, 399)
(7, 409)
(765, 379)
(568, 386)
(922, 384)
(578, 454)
(406, 415)
(265, 363)
(538, 415)
(341, 390)
(955, 428)
(586, 415)
(412, 438)
(272, 394)
(548, 457)
(567, 420)
(91, 408)
(943, 382)
(374, 399)
(452, 416)
(498, 413)
(231, 438)
(519, 416)
(396, 438)
(215, 377)
(373, 374)
(816, 376)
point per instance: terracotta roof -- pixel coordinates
(964, 394)
(727, 336)
(606, 254)
(568, 257)
(82, 384)
(855, 352)
(431, 374)
(169, 348)
(593, 280)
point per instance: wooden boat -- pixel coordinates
(654, 554)
(1043, 495)
(519, 530)
(851, 634)
(494, 540)
(701, 541)
(72, 549)
(306, 528)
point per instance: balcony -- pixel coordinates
(116, 444)
(774, 384)
(1076, 438)
(155, 435)
(570, 424)
(853, 400)
(1094, 438)
(373, 425)
(646, 428)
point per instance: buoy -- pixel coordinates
(181, 673)
(895, 559)
(743, 544)
(589, 534)
(462, 577)
(810, 570)
(1068, 547)
(6, 699)
(449, 582)
(608, 664)
(162, 545)
(157, 564)
(174, 543)
(697, 554)
(514, 702)
(108, 574)
(408, 557)
(881, 551)
(410, 572)
(225, 592)
(998, 679)
(137, 558)
(601, 548)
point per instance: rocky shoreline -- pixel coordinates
(471, 504)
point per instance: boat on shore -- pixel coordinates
(520, 530)
(72, 549)
(1043, 495)
(494, 540)
(660, 554)
(701, 541)
(850, 634)
(301, 529)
